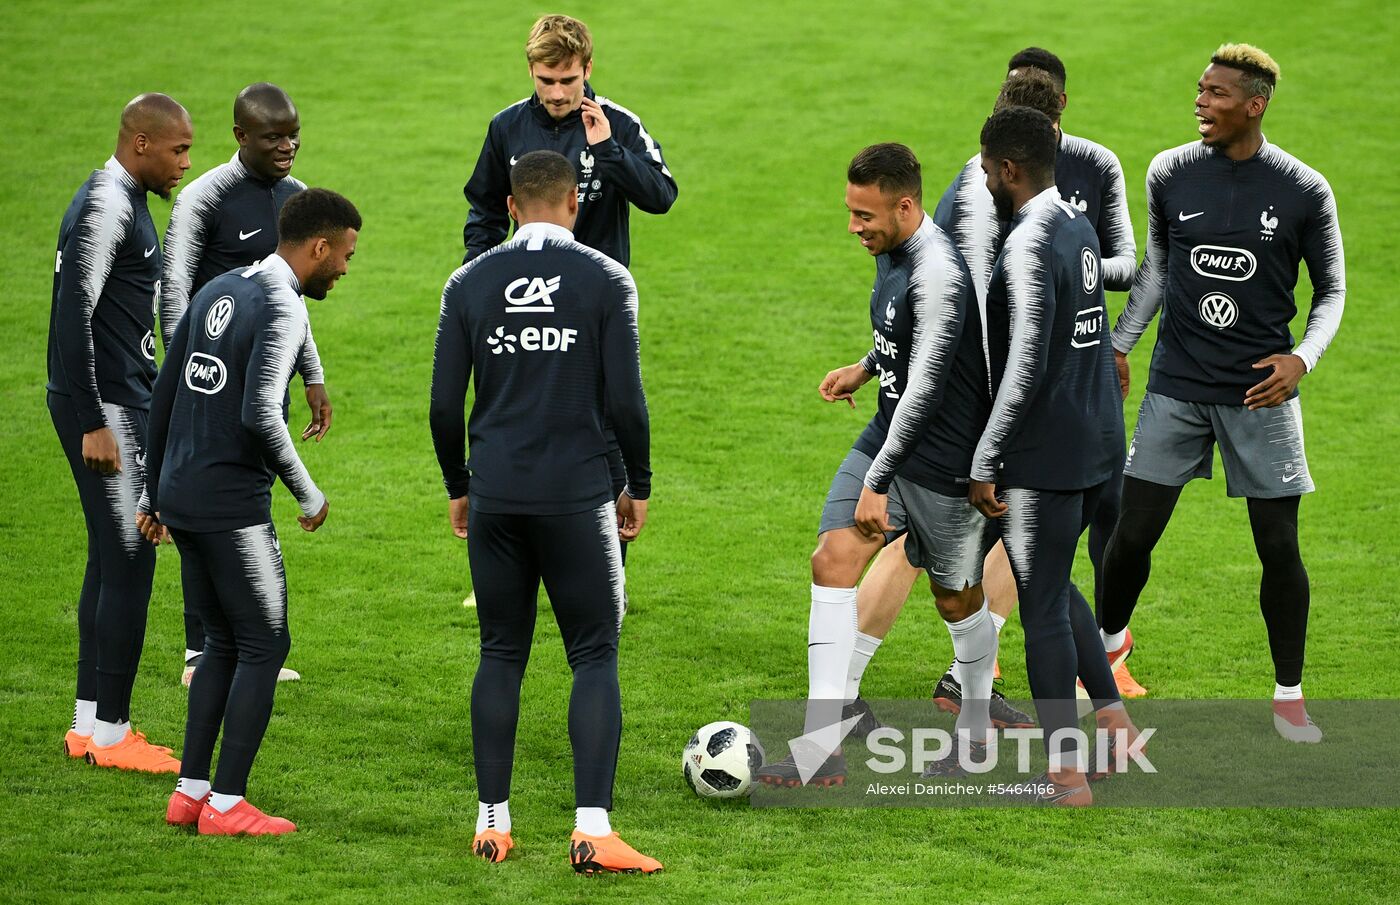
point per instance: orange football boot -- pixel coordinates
(492, 845)
(133, 753)
(242, 820)
(1128, 687)
(607, 854)
(75, 745)
(184, 810)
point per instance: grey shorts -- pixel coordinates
(1262, 450)
(945, 535)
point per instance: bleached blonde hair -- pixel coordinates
(558, 39)
(1261, 73)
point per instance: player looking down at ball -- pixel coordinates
(534, 501)
(907, 472)
(218, 438)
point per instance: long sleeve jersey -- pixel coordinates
(106, 277)
(545, 329)
(224, 220)
(1087, 170)
(218, 427)
(1224, 239)
(1057, 419)
(626, 169)
(928, 362)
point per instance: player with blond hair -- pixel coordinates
(1229, 219)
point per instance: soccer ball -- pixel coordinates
(720, 759)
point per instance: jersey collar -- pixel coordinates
(532, 233)
(1047, 197)
(903, 248)
(127, 180)
(276, 265)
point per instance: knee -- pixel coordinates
(955, 606)
(272, 649)
(836, 563)
(1277, 546)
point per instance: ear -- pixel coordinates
(1064, 101)
(141, 143)
(320, 249)
(510, 206)
(907, 206)
(1256, 106)
(239, 135)
(587, 70)
(573, 203)
(1008, 171)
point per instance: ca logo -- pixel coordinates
(1219, 310)
(531, 294)
(217, 320)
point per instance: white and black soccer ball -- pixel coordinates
(720, 759)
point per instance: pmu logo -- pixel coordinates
(1219, 310)
(1089, 268)
(1220, 262)
(1088, 324)
(532, 295)
(205, 374)
(148, 345)
(217, 320)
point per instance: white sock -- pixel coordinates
(84, 716)
(191, 654)
(1115, 640)
(975, 649)
(195, 788)
(223, 803)
(997, 623)
(831, 639)
(865, 647)
(592, 821)
(1288, 692)
(105, 733)
(493, 816)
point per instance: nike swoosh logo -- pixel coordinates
(150, 251)
(1183, 216)
(243, 237)
(1290, 478)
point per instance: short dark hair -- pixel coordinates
(1029, 87)
(1021, 135)
(891, 167)
(1039, 58)
(542, 176)
(316, 214)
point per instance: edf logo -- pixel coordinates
(531, 294)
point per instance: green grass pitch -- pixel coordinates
(750, 292)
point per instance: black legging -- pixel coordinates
(116, 589)
(577, 557)
(1101, 527)
(1283, 587)
(235, 583)
(1041, 532)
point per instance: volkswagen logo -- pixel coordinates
(1089, 265)
(220, 313)
(1219, 310)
